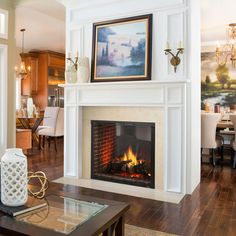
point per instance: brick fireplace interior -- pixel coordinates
(123, 152)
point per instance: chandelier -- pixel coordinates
(22, 71)
(228, 50)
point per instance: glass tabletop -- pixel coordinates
(62, 214)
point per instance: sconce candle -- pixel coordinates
(167, 45)
(75, 61)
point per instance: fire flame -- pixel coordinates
(129, 155)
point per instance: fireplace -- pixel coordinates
(123, 152)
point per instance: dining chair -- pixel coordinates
(233, 141)
(53, 132)
(209, 139)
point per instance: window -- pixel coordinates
(18, 93)
(3, 24)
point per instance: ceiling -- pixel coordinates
(215, 17)
(44, 22)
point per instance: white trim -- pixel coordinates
(3, 24)
(3, 96)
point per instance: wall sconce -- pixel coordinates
(175, 60)
(75, 61)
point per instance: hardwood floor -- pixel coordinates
(210, 210)
(47, 160)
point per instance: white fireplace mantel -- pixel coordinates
(148, 93)
(170, 96)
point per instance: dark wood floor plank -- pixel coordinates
(210, 210)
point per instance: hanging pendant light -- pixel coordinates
(22, 71)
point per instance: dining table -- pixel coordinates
(31, 123)
(224, 124)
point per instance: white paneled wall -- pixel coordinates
(169, 24)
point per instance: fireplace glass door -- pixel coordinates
(123, 152)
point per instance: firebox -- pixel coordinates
(123, 152)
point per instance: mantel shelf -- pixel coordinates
(117, 85)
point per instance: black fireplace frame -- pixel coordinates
(123, 180)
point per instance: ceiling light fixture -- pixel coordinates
(228, 50)
(22, 71)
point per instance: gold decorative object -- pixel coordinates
(42, 179)
(74, 62)
(228, 50)
(175, 60)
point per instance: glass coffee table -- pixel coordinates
(83, 216)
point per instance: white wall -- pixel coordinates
(194, 95)
(173, 21)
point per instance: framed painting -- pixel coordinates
(122, 49)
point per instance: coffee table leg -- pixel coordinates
(120, 227)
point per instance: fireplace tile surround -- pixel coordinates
(162, 103)
(125, 114)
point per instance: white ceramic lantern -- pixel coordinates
(83, 70)
(30, 107)
(14, 190)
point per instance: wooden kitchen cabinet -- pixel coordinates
(29, 85)
(37, 85)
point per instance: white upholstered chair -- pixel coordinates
(233, 141)
(50, 117)
(54, 131)
(209, 139)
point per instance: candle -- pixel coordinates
(16, 68)
(167, 45)
(68, 55)
(181, 44)
(77, 54)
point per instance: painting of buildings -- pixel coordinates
(121, 50)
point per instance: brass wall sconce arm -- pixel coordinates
(74, 62)
(175, 60)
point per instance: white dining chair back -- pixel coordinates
(50, 116)
(233, 119)
(208, 129)
(233, 141)
(59, 129)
